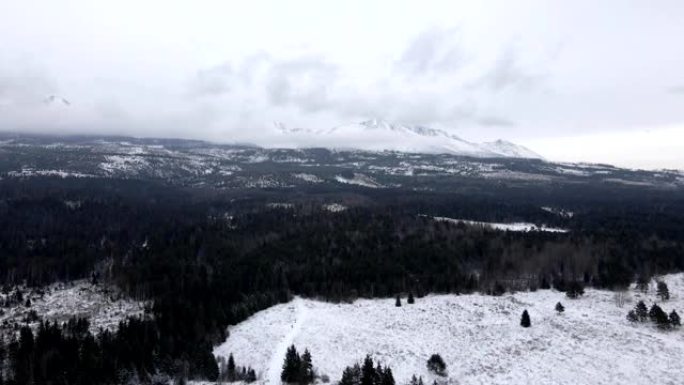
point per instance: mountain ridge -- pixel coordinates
(377, 134)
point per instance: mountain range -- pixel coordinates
(380, 135)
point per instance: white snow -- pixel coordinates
(359, 180)
(478, 336)
(105, 308)
(29, 172)
(560, 212)
(334, 207)
(516, 226)
(310, 178)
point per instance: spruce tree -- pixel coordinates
(525, 319)
(574, 289)
(560, 308)
(642, 283)
(398, 301)
(387, 376)
(658, 316)
(662, 291)
(230, 369)
(306, 368)
(411, 300)
(379, 372)
(251, 375)
(675, 321)
(641, 311)
(632, 317)
(414, 380)
(436, 365)
(290, 373)
(348, 377)
(368, 371)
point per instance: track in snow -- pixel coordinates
(275, 364)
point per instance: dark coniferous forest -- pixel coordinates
(206, 259)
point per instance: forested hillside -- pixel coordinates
(206, 258)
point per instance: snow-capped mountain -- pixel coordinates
(380, 135)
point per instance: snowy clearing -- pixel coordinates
(517, 226)
(478, 336)
(359, 180)
(104, 308)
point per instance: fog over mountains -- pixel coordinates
(380, 135)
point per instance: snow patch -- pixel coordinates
(517, 226)
(359, 180)
(478, 336)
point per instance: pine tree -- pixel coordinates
(251, 375)
(414, 380)
(662, 291)
(368, 372)
(560, 308)
(574, 289)
(387, 377)
(398, 302)
(290, 373)
(230, 369)
(642, 283)
(525, 319)
(675, 321)
(658, 316)
(411, 300)
(436, 365)
(348, 377)
(379, 372)
(641, 311)
(306, 368)
(632, 317)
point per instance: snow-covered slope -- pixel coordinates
(380, 135)
(478, 336)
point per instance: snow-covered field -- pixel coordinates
(478, 336)
(516, 226)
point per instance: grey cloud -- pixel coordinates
(434, 50)
(495, 121)
(679, 90)
(25, 87)
(508, 73)
(213, 81)
(304, 83)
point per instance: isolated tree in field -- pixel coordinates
(306, 375)
(290, 373)
(559, 308)
(675, 321)
(641, 311)
(410, 299)
(230, 369)
(662, 291)
(398, 302)
(525, 319)
(416, 380)
(436, 365)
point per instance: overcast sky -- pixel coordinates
(598, 81)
